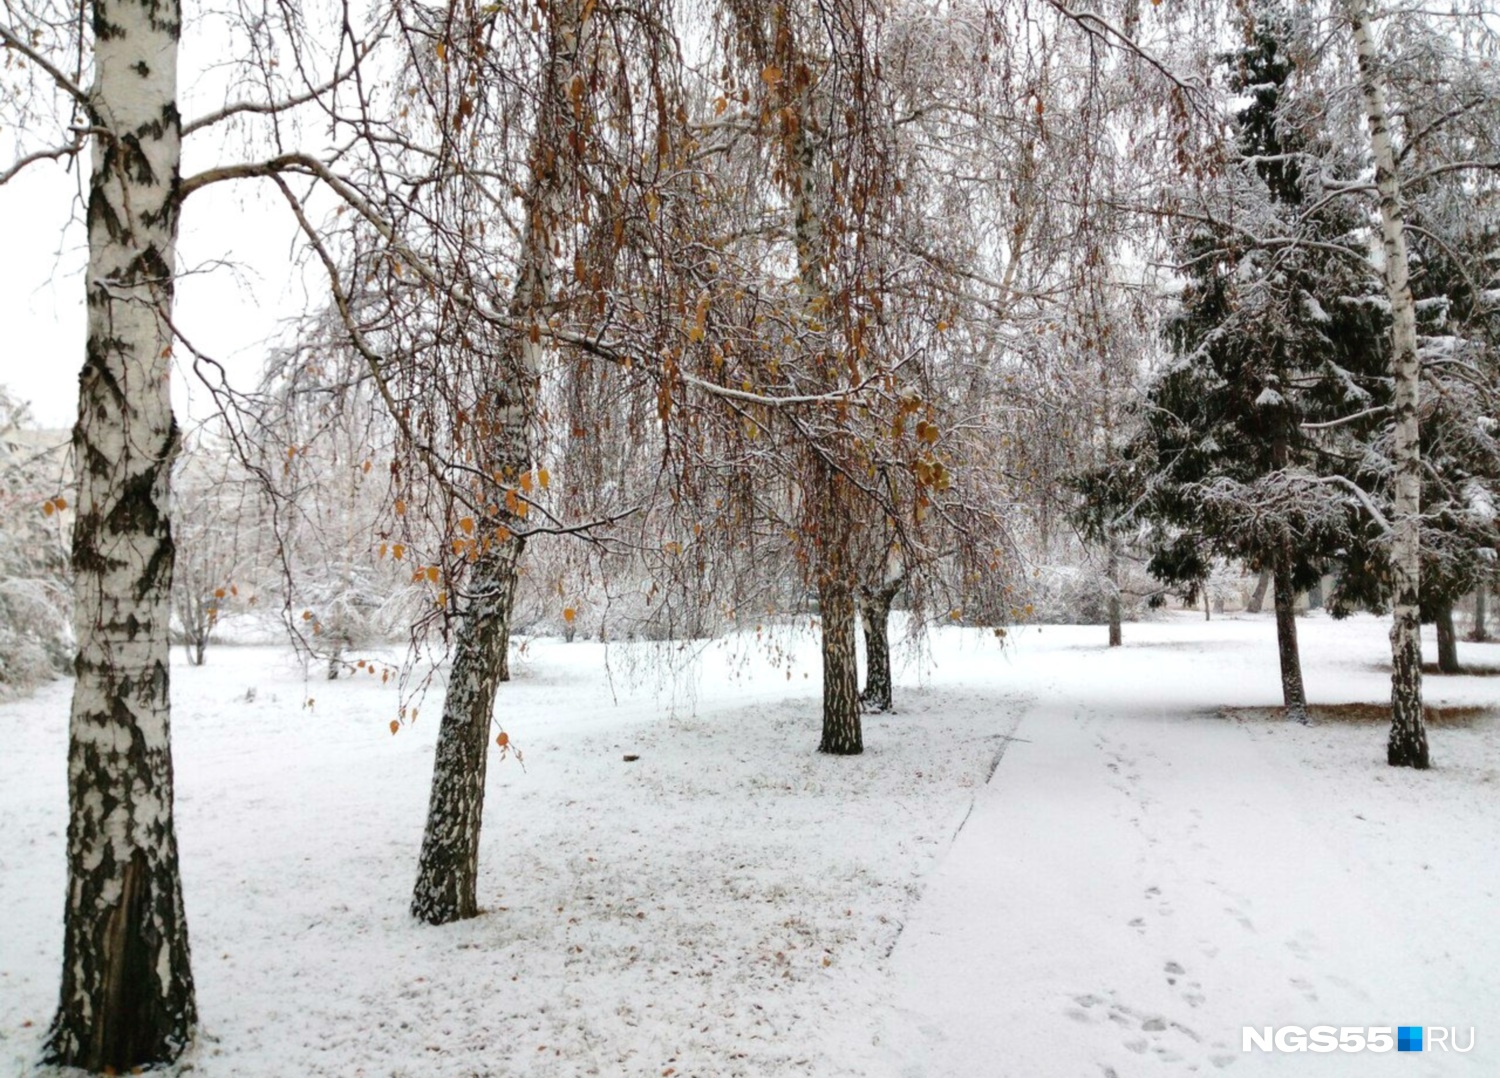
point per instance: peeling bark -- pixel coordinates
(1407, 746)
(127, 997)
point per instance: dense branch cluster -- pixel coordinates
(659, 321)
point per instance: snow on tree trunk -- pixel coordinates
(1447, 641)
(1292, 694)
(448, 871)
(875, 616)
(510, 603)
(842, 734)
(1112, 572)
(448, 868)
(1407, 746)
(504, 660)
(127, 996)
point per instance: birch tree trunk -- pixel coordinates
(1407, 746)
(875, 616)
(1481, 632)
(842, 733)
(448, 868)
(828, 494)
(127, 990)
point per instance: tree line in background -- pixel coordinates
(658, 321)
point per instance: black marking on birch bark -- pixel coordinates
(96, 368)
(149, 267)
(126, 998)
(102, 212)
(104, 30)
(448, 867)
(875, 613)
(1407, 745)
(842, 731)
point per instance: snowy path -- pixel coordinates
(1141, 878)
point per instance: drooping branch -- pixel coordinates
(13, 41)
(266, 108)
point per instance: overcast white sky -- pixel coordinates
(239, 281)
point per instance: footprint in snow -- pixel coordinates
(1152, 1034)
(1302, 944)
(1153, 894)
(1163, 1039)
(1303, 985)
(1244, 922)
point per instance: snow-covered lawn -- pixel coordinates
(1141, 877)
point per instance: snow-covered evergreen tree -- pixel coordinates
(1278, 341)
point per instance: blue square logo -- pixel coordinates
(1408, 1038)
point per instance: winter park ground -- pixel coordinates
(1142, 875)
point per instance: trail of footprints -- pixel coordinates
(1154, 1035)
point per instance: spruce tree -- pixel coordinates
(1278, 335)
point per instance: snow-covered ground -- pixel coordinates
(1141, 877)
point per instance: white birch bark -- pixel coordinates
(1408, 739)
(827, 492)
(127, 992)
(448, 868)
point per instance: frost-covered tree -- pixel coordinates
(34, 604)
(1277, 342)
(218, 533)
(127, 990)
(1441, 73)
(1452, 226)
(98, 80)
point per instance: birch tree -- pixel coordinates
(127, 996)
(1407, 745)
(35, 510)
